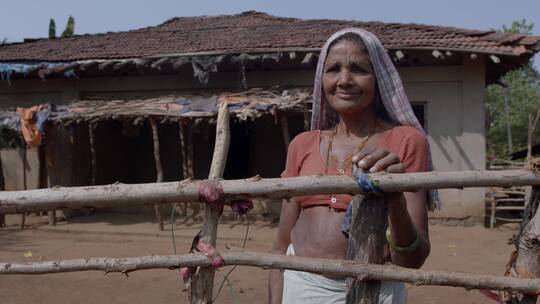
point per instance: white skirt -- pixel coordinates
(303, 287)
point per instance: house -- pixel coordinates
(108, 89)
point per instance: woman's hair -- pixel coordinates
(380, 110)
(349, 37)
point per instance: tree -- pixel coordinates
(521, 90)
(52, 28)
(70, 28)
(69, 31)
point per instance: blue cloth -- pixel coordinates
(367, 184)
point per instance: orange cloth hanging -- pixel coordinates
(30, 132)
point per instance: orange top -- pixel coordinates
(304, 158)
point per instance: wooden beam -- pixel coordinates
(106, 64)
(87, 65)
(43, 73)
(203, 282)
(180, 62)
(275, 261)
(159, 168)
(132, 195)
(158, 64)
(118, 67)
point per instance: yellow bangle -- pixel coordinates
(412, 247)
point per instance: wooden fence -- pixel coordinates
(364, 273)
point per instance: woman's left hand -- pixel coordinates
(378, 160)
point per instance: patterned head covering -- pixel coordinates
(391, 91)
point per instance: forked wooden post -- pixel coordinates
(203, 282)
(366, 244)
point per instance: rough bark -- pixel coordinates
(266, 261)
(203, 282)
(122, 195)
(366, 244)
(527, 263)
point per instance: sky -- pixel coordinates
(30, 18)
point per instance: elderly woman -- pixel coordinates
(361, 116)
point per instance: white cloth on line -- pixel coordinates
(303, 287)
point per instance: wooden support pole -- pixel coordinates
(24, 163)
(159, 168)
(530, 135)
(284, 124)
(203, 283)
(93, 158)
(43, 182)
(134, 195)
(2, 188)
(190, 160)
(366, 244)
(275, 261)
(182, 208)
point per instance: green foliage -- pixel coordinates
(52, 29)
(69, 31)
(522, 92)
(519, 27)
(70, 28)
(523, 96)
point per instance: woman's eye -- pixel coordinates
(358, 69)
(332, 69)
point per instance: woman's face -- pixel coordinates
(348, 78)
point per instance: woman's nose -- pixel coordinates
(344, 78)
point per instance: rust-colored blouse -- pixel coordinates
(304, 158)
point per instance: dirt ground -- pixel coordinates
(467, 249)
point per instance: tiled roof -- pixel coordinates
(257, 32)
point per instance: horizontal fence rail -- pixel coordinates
(323, 266)
(134, 195)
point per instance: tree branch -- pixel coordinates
(263, 260)
(122, 195)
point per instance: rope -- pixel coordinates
(226, 277)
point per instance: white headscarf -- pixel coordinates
(391, 91)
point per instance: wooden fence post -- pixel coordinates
(366, 244)
(203, 282)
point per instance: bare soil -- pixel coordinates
(466, 249)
